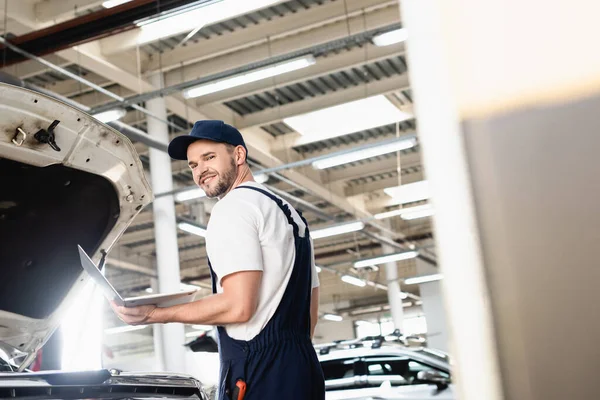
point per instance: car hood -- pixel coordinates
(86, 190)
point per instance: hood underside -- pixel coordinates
(83, 187)
(44, 212)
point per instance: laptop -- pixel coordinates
(163, 300)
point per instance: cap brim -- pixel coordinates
(178, 146)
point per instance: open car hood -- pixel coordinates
(86, 189)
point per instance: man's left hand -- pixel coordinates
(135, 315)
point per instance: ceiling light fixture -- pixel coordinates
(110, 115)
(337, 230)
(352, 280)
(423, 279)
(189, 18)
(406, 255)
(343, 119)
(114, 3)
(319, 269)
(363, 154)
(193, 229)
(418, 214)
(403, 211)
(251, 76)
(333, 317)
(189, 195)
(408, 193)
(391, 37)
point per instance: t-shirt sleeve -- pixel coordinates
(233, 241)
(314, 274)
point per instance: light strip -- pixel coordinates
(404, 211)
(354, 281)
(418, 214)
(114, 3)
(392, 37)
(333, 317)
(319, 269)
(386, 259)
(261, 178)
(423, 279)
(110, 115)
(189, 195)
(188, 19)
(365, 153)
(123, 329)
(193, 229)
(248, 77)
(409, 193)
(337, 230)
(343, 119)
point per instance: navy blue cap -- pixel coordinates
(217, 131)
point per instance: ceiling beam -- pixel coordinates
(370, 168)
(380, 184)
(52, 11)
(277, 114)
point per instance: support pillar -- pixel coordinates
(433, 308)
(171, 337)
(509, 132)
(394, 293)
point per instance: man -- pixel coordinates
(265, 284)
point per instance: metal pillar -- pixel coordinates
(171, 337)
(510, 141)
(433, 308)
(394, 293)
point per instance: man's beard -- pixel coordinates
(225, 182)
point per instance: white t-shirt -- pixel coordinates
(247, 231)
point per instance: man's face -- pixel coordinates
(213, 166)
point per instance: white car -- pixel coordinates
(374, 368)
(66, 180)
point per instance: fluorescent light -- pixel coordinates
(110, 115)
(319, 269)
(392, 37)
(409, 193)
(188, 19)
(149, 290)
(122, 329)
(333, 317)
(261, 178)
(189, 195)
(404, 211)
(423, 279)
(365, 153)
(343, 119)
(354, 281)
(386, 259)
(363, 323)
(114, 3)
(337, 230)
(248, 77)
(203, 327)
(418, 214)
(193, 229)
(407, 304)
(403, 295)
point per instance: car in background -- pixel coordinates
(66, 180)
(384, 368)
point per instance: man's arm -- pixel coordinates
(314, 310)
(237, 304)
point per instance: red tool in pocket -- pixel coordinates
(239, 391)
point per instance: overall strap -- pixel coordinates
(284, 207)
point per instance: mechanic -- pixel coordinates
(264, 280)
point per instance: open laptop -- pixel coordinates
(163, 300)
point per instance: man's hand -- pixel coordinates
(134, 315)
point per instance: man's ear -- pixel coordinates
(240, 155)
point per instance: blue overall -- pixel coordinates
(280, 362)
